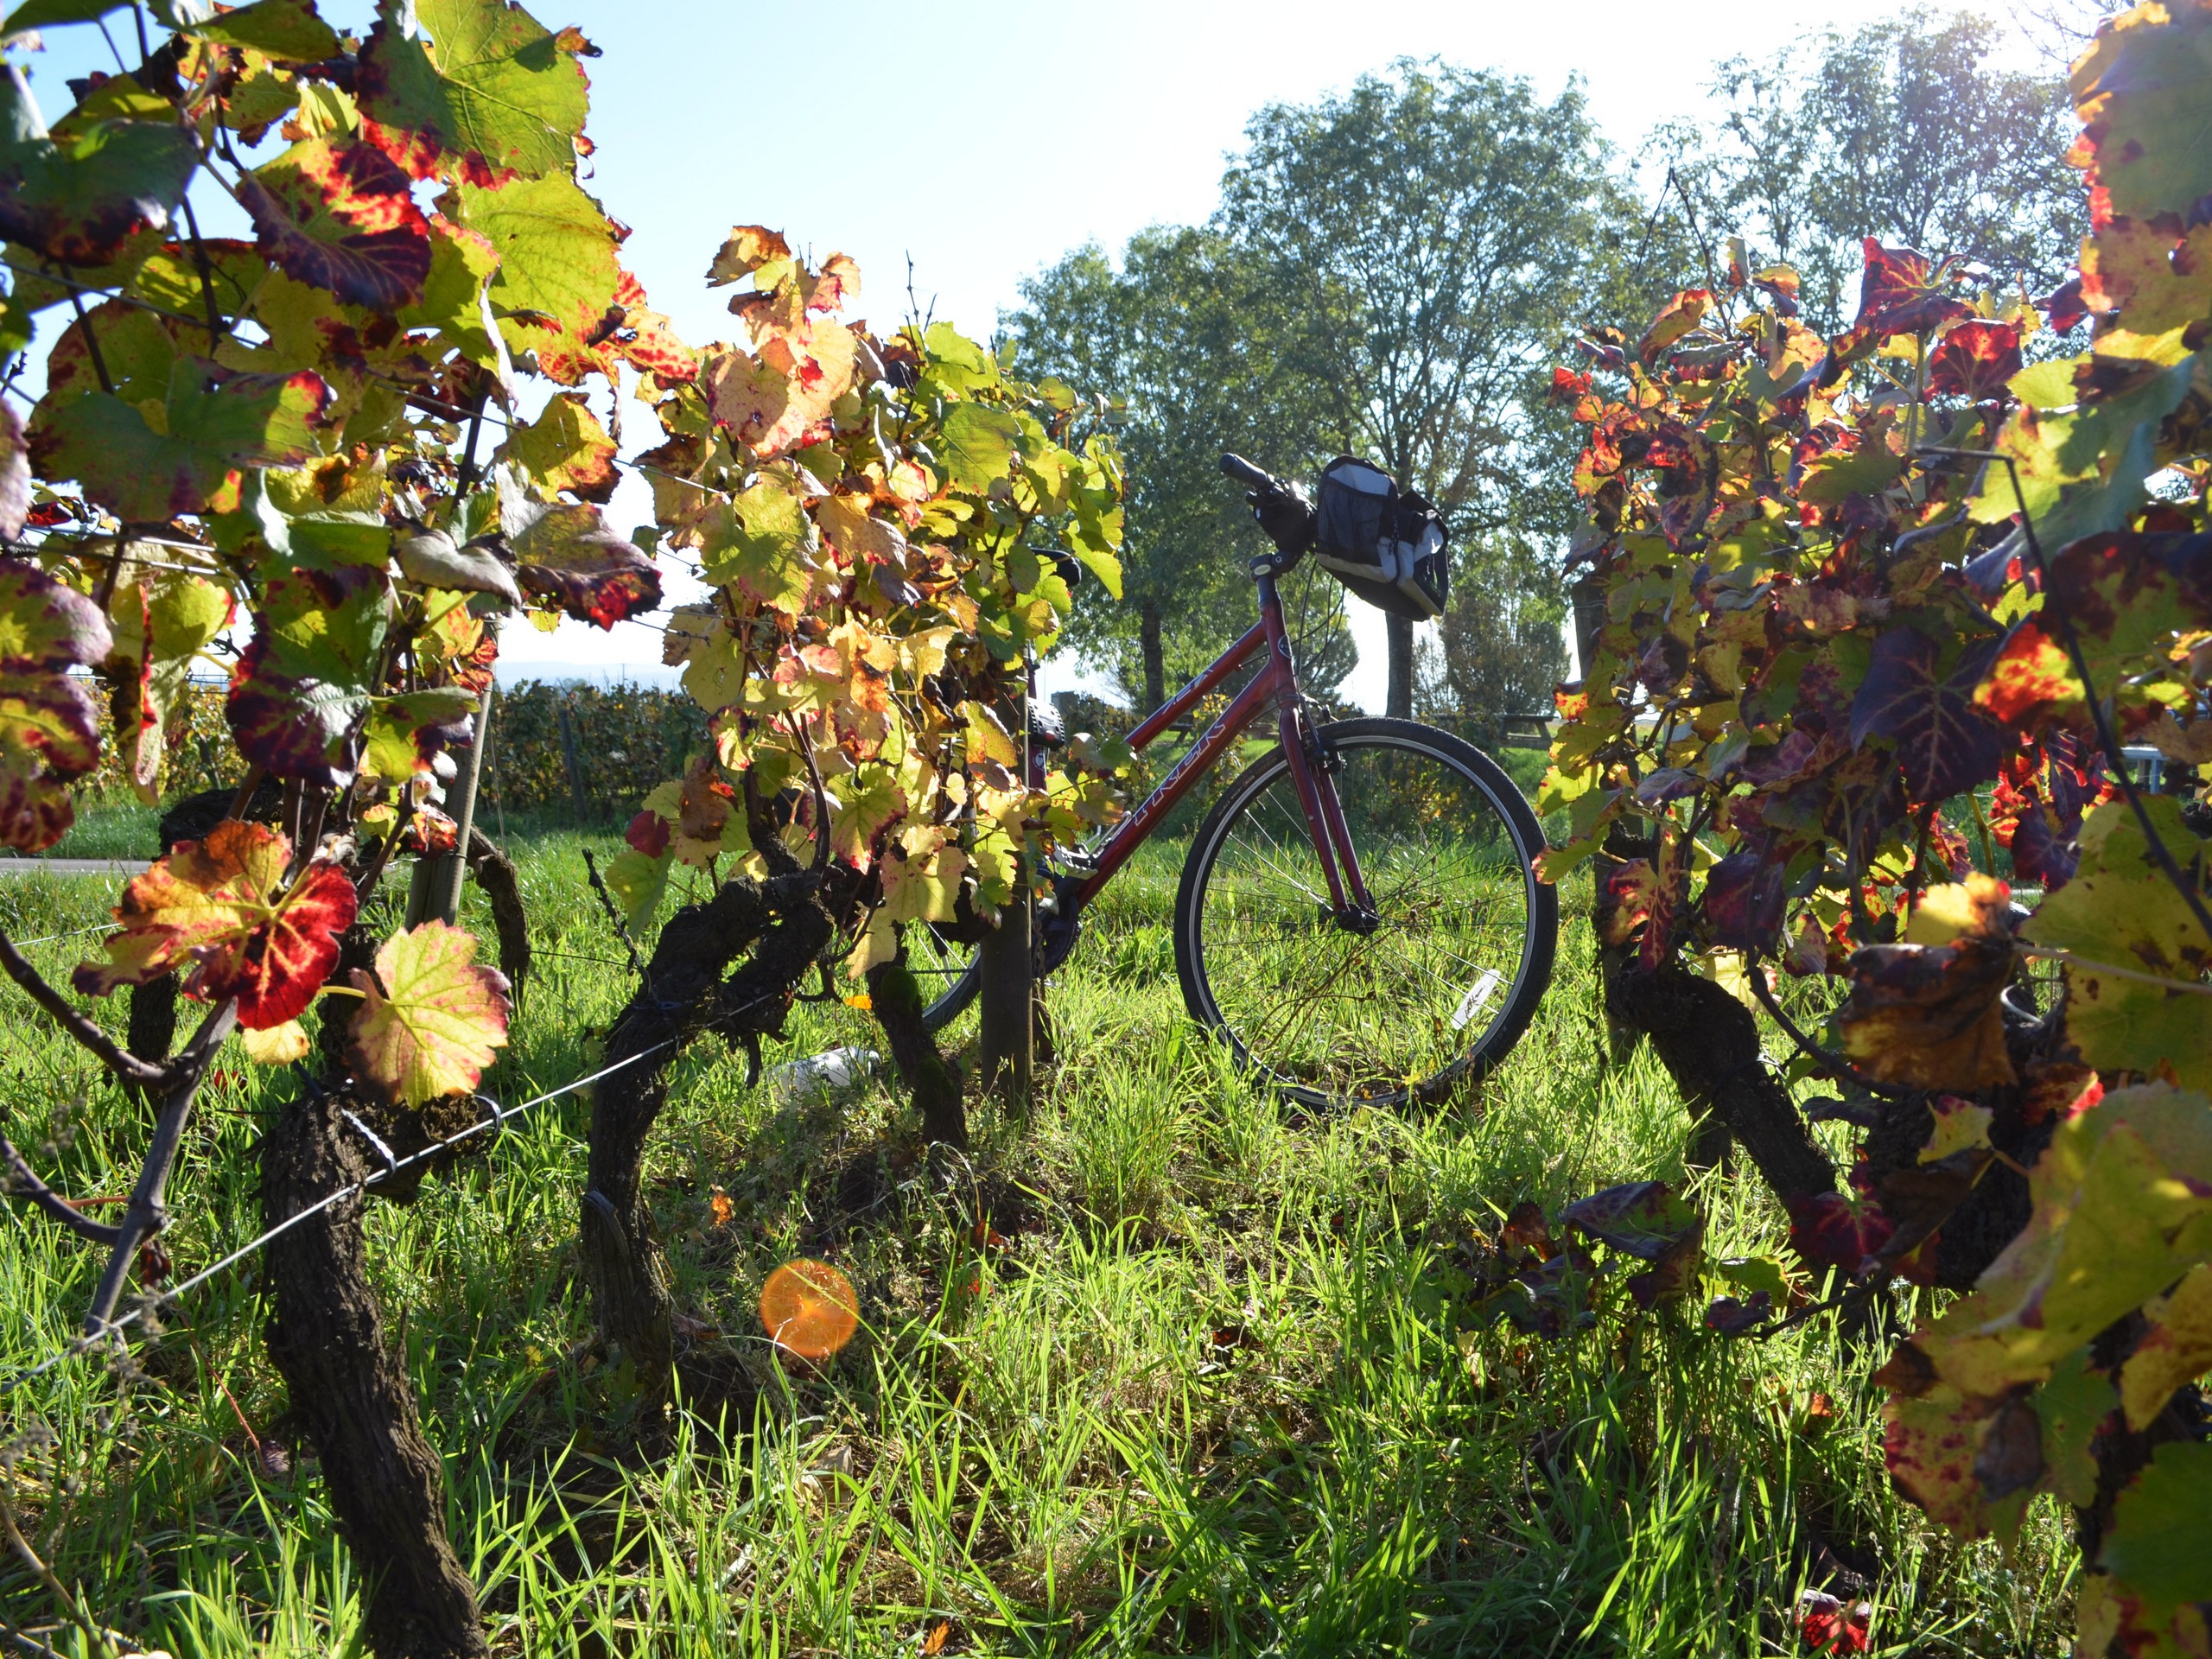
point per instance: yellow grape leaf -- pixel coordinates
(430, 1017)
(1948, 909)
(278, 1045)
(1961, 1126)
(2177, 1349)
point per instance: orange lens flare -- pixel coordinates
(808, 1308)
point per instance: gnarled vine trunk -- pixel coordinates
(782, 921)
(350, 1383)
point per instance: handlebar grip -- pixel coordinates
(1245, 472)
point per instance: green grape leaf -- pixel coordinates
(488, 95)
(287, 30)
(340, 217)
(213, 425)
(2142, 88)
(557, 273)
(2072, 1406)
(762, 540)
(405, 732)
(2156, 1546)
(50, 14)
(430, 1018)
(78, 197)
(2121, 910)
(638, 882)
(49, 722)
(218, 911)
(976, 446)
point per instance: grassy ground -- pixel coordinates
(1211, 1393)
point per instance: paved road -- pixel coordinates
(74, 866)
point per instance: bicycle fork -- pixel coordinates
(1313, 774)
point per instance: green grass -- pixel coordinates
(1212, 1396)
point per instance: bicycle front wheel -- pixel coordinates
(1431, 997)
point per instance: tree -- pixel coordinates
(1498, 649)
(1903, 131)
(1421, 243)
(1170, 335)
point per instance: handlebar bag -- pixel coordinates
(1387, 545)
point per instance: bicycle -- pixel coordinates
(1358, 915)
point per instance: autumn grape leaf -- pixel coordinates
(1679, 316)
(566, 448)
(2177, 1349)
(761, 541)
(218, 912)
(301, 689)
(1638, 900)
(214, 425)
(568, 556)
(433, 559)
(1929, 1445)
(1974, 359)
(287, 30)
(2121, 1207)
(1961, 1126)
(1945, 744)
(49, 723)
(430, 1019)
(340, 217)
(2122, 911)
(489, 94)
(78, 197)
(867, 802)
(1928, 1016)
(278, 1045)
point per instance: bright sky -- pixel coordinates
(984, 140)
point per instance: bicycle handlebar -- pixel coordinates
(1245, 472)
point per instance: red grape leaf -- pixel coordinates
(218, 911)
(1976, 360)
(1945, 744)
(340, 217)
(430, 1018)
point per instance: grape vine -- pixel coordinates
(317, 457)
(1874, 616)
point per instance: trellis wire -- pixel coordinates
(499, 1116)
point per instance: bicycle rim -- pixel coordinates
(1444, 984)
(946, 972)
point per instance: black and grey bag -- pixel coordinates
(1387, 545)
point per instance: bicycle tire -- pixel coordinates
(950, 987)
(1265, 788)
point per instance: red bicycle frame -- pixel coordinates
(1276, 683)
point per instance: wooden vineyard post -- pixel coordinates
(1007, 997)
(434, 889)
(569, 763)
